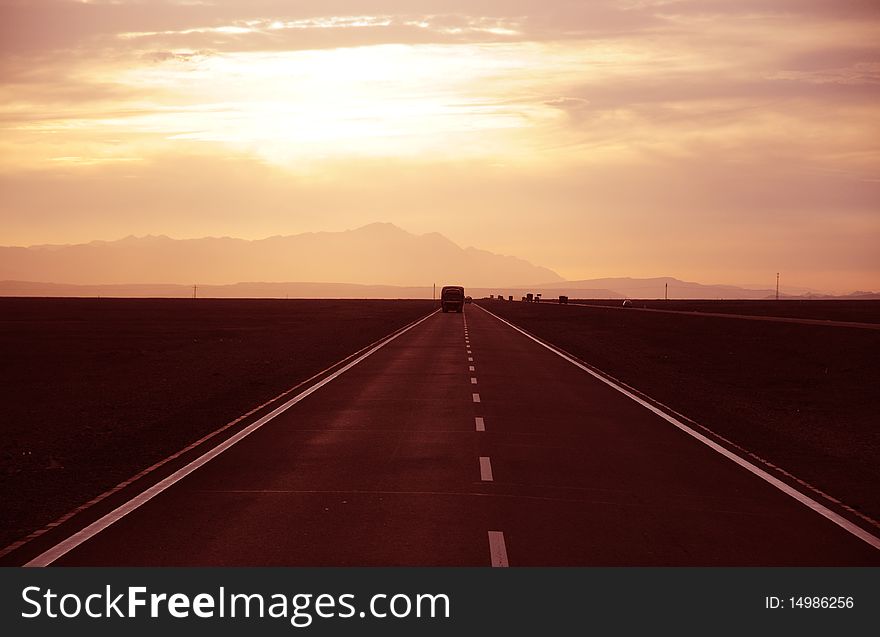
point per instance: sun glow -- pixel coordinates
(726, 129)
(388, 100)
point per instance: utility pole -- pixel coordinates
(665, 291)
(777, 286)
(194, 290)
(434, 293)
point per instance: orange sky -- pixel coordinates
(719, 141)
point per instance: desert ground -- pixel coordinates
(802, 396)
(97, 389)
(823, 310)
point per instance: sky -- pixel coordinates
(718, 141)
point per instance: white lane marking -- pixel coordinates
(747, 317)
(476, 398)
(473, 381)
(67, 545)
(470, 358)
(144, 472)
(804, 499)
(470, 368)
(498, 549)
(485, 469)
(480, 423)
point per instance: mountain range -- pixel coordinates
(379, 253)
(379, 260)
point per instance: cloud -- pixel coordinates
(683, 134)
(30, 27)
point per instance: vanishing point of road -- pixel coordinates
(461, 442)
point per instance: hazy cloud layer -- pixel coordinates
(713, 140)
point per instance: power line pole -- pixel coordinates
(434, 293)
(777, 286)
(194, 290)
(665, 291)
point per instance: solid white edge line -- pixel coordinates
(486, 469)
(145, 472)
(747, 317)
(497, 550)
(807, 501)
(67, 545)
(479, 423)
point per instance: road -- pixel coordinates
(464, 442)
(743, 317)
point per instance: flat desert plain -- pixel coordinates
(800, 396)
(95, 390)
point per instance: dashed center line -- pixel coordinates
(485, 469)
(497, 549)
(497, 546)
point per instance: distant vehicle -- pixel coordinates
(468, 299)
(452, 298)
(563, 300)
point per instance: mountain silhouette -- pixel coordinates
(656, 288)
(378, 253)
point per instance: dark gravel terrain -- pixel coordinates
(840, 310)
(804, 397)
(94, 390)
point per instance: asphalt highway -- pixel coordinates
(464, 442)
(743, 317)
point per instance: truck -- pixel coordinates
(452, 298)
